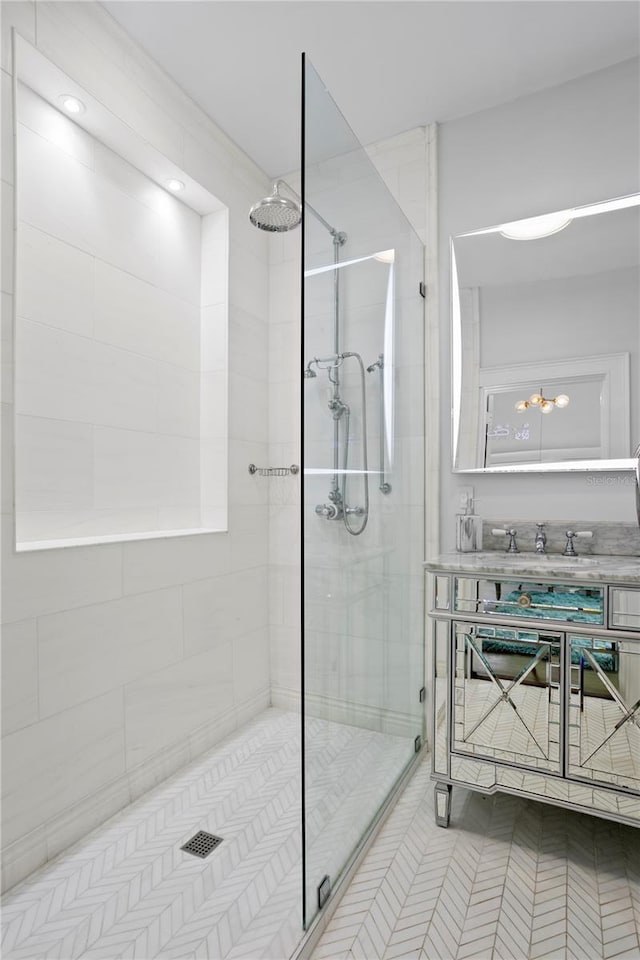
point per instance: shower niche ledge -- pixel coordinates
(120, 326)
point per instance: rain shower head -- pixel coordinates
(278, 214)
(275, 214)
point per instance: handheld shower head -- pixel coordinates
(309, 373)
(275, 214)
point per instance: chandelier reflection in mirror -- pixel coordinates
(545, 404)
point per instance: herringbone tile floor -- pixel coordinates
(510, 879)
(129, 891)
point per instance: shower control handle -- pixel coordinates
(328, 510)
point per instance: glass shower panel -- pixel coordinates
(363, 406)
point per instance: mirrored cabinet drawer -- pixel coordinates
(624, 608)
(530, 600)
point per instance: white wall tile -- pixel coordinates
(213, 338)
(284, 533)
(285, 657)
(44, 291)
(72, 524)
(7, 247)
(167, 705)
(250, 664)
(151, 565)
(248, 281)
(6, 147)
(177, 251)
(178, 403)
(24, 857)
(59, 38)
(54, 465)
(214, 269)
(140, 469)
(248, 345)
(137, 316)
(58, 202)
(110, 166)
(243, 487)
(19, 675)
(86, 652)
(55, 373)
(6, 458)
(6, 347)
(223, 608)
(248, 411)
(42, 118)
(40, 583)
(214, 405)
(250, 548)
(127, 390)
(146, 317)
(22, 16)
(214, 474)
(49, 765)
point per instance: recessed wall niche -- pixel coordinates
(120, 329)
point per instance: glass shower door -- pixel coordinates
(363, 492)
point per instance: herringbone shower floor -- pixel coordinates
(128, 890)
(510, 879)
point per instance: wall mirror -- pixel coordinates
(546, 341)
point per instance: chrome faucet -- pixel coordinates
(570, 550)
(541, 538)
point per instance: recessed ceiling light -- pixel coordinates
(72, 104)
(176, 186)
(534, 228)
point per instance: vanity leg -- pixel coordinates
(443, 803)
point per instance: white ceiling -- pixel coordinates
(390, 65)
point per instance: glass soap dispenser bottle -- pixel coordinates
(468, 527)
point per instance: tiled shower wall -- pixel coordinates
(121, 356)
(122, 661)
(403, 163)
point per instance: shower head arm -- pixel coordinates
(338, 237)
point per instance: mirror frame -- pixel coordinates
(626, 464)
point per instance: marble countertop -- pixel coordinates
(599, 569)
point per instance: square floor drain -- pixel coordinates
(201, 844)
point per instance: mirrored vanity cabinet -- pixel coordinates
(536, 680)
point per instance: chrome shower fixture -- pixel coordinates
(278, 214)
(274, 213)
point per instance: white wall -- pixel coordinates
(112, 400)
(562, 147)
(122, 661)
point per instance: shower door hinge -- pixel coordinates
(422, 694)
(324, 889)
(417, 744)
(423, 290)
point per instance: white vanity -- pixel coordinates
(536, 679)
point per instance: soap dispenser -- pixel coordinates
(468, 527)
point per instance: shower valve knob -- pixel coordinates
(328, 510)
